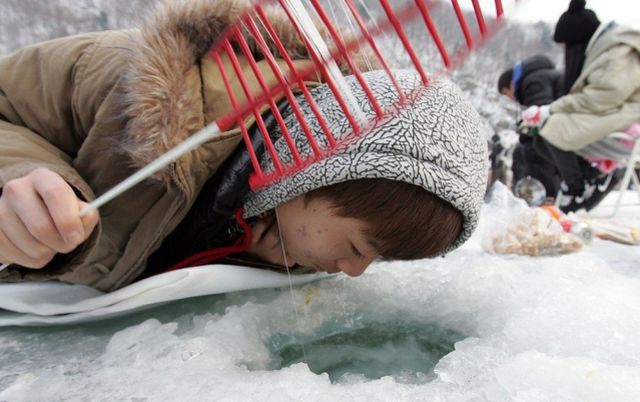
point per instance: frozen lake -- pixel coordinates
(471, 326)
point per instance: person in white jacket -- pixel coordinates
(602, 79)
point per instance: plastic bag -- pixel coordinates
(510, 226)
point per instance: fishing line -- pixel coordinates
(293, 301)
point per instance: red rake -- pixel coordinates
(254, 37)
(342, 51)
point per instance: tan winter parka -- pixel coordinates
(96, 107)
(606, 96)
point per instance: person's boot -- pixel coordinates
(602, 185)
(573, 197)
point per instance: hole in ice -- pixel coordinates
(407, 351)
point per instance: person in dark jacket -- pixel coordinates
(534, 81)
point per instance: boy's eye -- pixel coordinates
(355, 251)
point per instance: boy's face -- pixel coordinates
(509, 92)
(313, 237)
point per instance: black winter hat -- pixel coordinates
(576, 25)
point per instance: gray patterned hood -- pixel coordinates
(435, 142)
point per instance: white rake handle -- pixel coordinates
(205, 134)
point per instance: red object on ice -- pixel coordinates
(566, 225)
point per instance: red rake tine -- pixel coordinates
(374, 47)
(479, 17)
(499, 9)
(322, 67)
(289, 94)
(403, 38)
(298, 79)
(251, 99)
(234, 104)
(345, 54)
(463, 24)
(434, 32)
(272, 104)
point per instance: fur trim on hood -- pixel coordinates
(163, 108)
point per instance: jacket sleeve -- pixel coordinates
(38, 123)
(607, 87)
(537, 92)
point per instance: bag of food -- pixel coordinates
(510, 226)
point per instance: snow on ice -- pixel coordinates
(517, 328)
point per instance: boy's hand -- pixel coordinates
(39, 217)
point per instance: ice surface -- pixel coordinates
(519, 328)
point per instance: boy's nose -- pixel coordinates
(354, 266)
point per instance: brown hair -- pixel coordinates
(505, 80)
(405, 221)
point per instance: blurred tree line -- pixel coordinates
(23, 22)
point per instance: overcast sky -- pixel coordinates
(623, 11)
